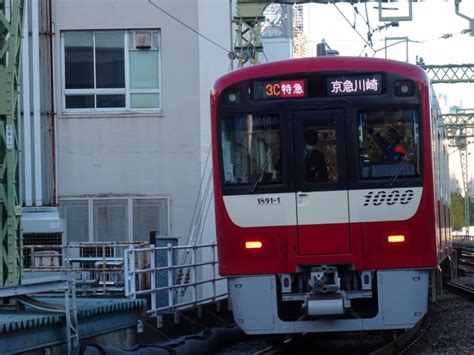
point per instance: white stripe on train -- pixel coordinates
(323, 207)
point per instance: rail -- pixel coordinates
(97, 266)
(170, 286)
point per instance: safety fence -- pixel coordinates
(97, 267)
(177, 277)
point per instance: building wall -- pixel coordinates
(214, 22)
(144, 154)
(277, 49)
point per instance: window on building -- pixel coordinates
(149, 215)
(111, 70)
(111, 220)
(77, 226)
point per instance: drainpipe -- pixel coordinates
(231, 48)
(36, 104)
(52, 30)
(26, 106)
(7, 11)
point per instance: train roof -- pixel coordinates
(315, 64)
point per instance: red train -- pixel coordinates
(331, 194)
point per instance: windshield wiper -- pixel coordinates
(261, 174)
(399, 170)
(257, 181)
(400, 167)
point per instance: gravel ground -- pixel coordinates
(451, 325)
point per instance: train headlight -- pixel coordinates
(404, 88)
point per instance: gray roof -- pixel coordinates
(86, 308)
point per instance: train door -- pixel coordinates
(322, 203)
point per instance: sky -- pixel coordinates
(431, 20)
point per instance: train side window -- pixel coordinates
(389, 144)
(251, 149)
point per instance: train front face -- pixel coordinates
(325, 194)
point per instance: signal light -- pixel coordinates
(396, 238)
(253, 245)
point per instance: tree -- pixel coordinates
(457, 210)
(471, 212)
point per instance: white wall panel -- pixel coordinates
(214, 23)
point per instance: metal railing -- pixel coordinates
(98, 267)
(461, 238)
(171, 286)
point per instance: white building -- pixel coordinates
(122, 98)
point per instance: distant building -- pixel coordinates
(283, 35)
(277, 33)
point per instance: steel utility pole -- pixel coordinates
(10, 177)
(460, 128)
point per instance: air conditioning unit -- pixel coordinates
(142, 40)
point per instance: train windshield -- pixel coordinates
(389, 145)
(251, 149)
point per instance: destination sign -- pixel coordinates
(281, 89)
(354, 85)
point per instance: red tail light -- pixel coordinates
(253, 244)
(396, 238)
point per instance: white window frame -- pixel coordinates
(90, 211)
(127, 91)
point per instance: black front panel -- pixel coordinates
(375, 142)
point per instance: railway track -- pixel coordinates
(466, 257)
(303, 343)
(281, 347)
(459, 288)
(406, 340)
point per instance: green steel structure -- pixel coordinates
(450, 73)
(10, 177)
(460, 128)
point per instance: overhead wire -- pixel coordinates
(367, 17)
(188, 27)
(368, 42)
(353, 27)
(373, 30)
(195, 31)
(444, 36)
